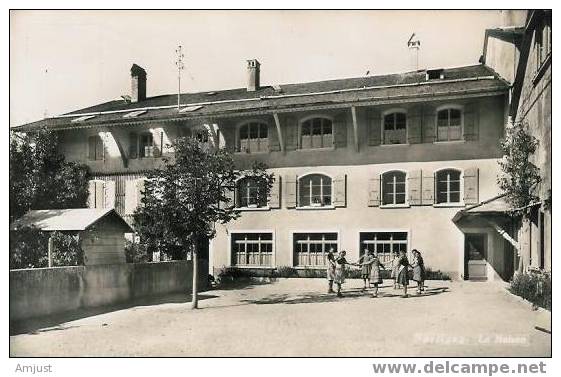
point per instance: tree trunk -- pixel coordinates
(195, 261)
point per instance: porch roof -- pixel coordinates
(75, 219)
(494, 206)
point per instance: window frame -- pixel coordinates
(308, 207)
(311, 118)
(314, 231)
(142, 153)
(449, 107)
(395, 205)
(386, 230)
(460, 203)
(383, 125)
(247, 208)
(254, 231)
(248, 123)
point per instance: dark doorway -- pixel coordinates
(475, 256)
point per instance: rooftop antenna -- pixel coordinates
(45, 91)
(180, 66)
(414, 44)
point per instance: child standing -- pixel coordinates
(402, 277)
(365, 262)
(394, 265)
(418, 270)
(375, 275)
(340, 271)
(330, 269)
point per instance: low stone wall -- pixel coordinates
(38, 292)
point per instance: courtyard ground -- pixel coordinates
(295, 317)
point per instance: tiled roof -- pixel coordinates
(77, 219)
(475, 78)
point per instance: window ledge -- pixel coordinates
(395, 145)
(250, 266)
(395, 206)
(249, 209)
(449, 142)
(318, 207)
(448, 205)
(315, 149)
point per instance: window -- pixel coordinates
(201, 135)
(310, 249)
(254, 138)
(395, 128)
(543, 41)
(146, 145)
(314, 190)
(448, 186)
(316, 133)
(384, 243)
(449, 125)
(252, 249)
(251, 193)
(96, 150)
(393, 188)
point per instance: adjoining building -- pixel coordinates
(380, 163)
(520, 51)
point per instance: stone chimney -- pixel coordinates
(253, 75)
(138, 83)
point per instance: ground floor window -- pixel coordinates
(384, 243)
(310, 249)
(252, 249)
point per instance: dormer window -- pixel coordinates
(146, 145)
(449, 124)
(395, 128)
(316, 133)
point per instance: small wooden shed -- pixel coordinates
(101, 231)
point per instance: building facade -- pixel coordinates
(380, 163)
(521, 50)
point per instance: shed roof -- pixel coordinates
(494, 206)
(470, 79)
(76, 219)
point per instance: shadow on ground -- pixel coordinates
(56, 322)
(313, 297)
(228, 285)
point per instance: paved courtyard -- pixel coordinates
(295, 317)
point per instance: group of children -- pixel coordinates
(370, 270)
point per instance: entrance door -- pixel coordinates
(475, 256)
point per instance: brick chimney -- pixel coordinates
(138, 83)
(253, 75)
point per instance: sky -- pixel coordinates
(66, 60)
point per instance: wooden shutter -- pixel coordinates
(91, 148)
(158, 140)
(471, 122)
(471, 186)
(230, 194)
(109, 194)
(291, 134)
(414, 187)
(340, 130)
(414, 125)
(340, 191)
(429, 126)
(130, 197)
(374, 127)
(274, 143)
(290, 190)
(133, 145)
(140, 190)
(427, 186)
(274, 195)
(374, 191)
(99, 148)
(91, 194)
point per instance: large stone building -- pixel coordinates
(520, 51)
(377, 162)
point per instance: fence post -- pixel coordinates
(50, 251)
